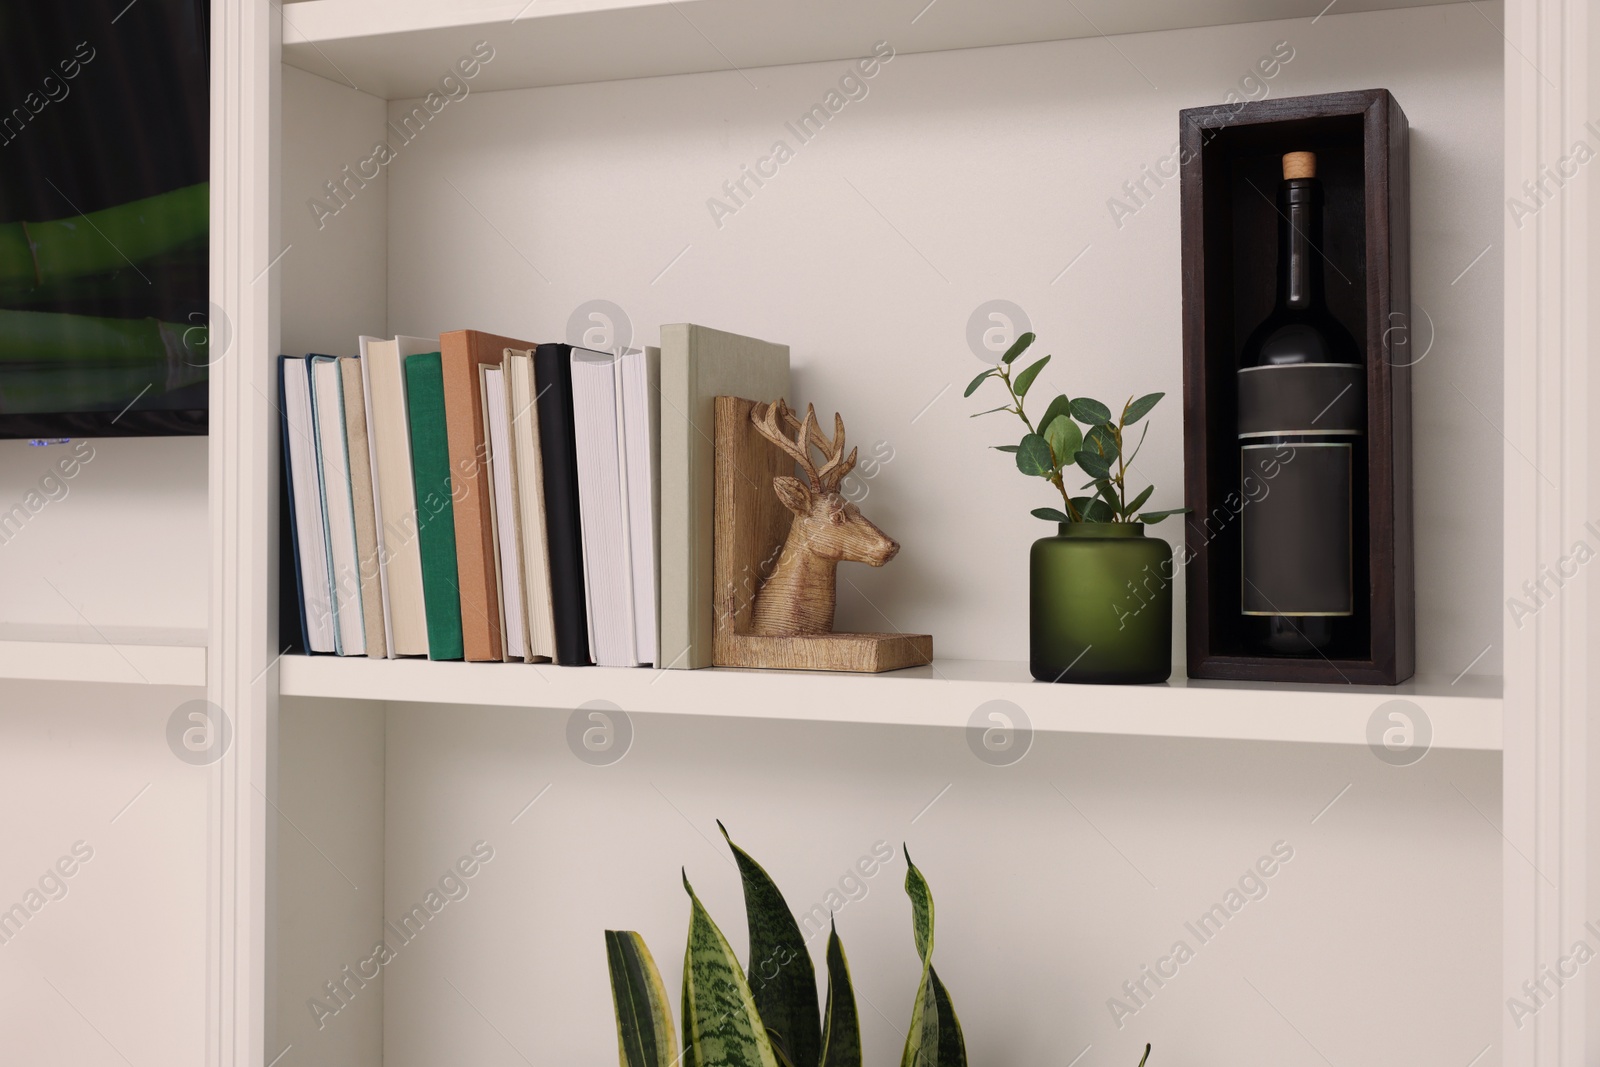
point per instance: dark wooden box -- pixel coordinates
(1231, 168)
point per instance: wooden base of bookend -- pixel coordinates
(861, 653)
(751, 526)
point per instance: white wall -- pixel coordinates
(118, 549)
(961, 177)
(1379, 941)
(114, 971)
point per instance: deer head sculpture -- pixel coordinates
(798, 597)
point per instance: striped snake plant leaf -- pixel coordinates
(644, 1021)
(841, 1044)
(934, 1038)
(721, 1027)
(782, 980)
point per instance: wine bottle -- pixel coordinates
(1302, 415)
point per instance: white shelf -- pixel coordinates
(398, 49)
(1465, 715)
(125, 657)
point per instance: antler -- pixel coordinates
(836, 464)
(766, 423)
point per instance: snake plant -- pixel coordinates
(766, 1015)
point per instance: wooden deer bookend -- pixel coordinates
(779, 541)
(798, 598)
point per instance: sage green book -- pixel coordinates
(697, 366)
(436, 523)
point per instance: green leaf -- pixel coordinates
(934, 1038)
(1017, 348)
(991, 411)
(841, 1043)
(921, 907)
(973, 387)
(1138, 409)
(1094, 466)
(1138, 446)
(1004, 448)
(1102, 441)
(1050, 515)
(1108, 492)
(1157, 516)
(1137, 502)
(1033, 456)
(644, 1021)
(1090, 412)
(1064, 438)
(1059, 406)
(952, 1043)
(782, 980)
(1025, 379)
(1093, 509)
(720, 1023)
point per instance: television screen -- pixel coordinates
(105, 322)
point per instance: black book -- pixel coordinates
(552, 372)
(291, 600)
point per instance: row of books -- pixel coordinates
(483, 498)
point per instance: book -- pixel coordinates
(355, 424)
(529, 510)
(639, 397)
(462, 352)
(503, 514)
(698, 365)
(436, 530)
(338, 512)
(607, 569)
(394, 491)
(304, 479)
(569, 609)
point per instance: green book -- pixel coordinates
(436, 524)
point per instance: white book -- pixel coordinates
(608, 573)
(640, 406)
(502, 511)
(394, 491)
(305, 484)
(528, 469)
(338, 511)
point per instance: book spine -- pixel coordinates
(436, 532)
(481, 631)
(557, 442)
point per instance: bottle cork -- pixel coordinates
(1299, 165)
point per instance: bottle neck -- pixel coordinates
(1299, 245)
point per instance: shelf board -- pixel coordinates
(122, 657)
(399, 49)
(1465, 715)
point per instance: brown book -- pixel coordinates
(462, 352)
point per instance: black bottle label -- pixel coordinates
(1302, 398)
(1296, 538)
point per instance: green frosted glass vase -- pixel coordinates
(1100, 605)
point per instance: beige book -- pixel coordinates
(394, 492)
(355, 427)
(697, 366)
(528, 487)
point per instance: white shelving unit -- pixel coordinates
(395, 49)
(114, 657)
(1462, 716)
(997, 137)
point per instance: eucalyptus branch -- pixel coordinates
(1056, 467)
